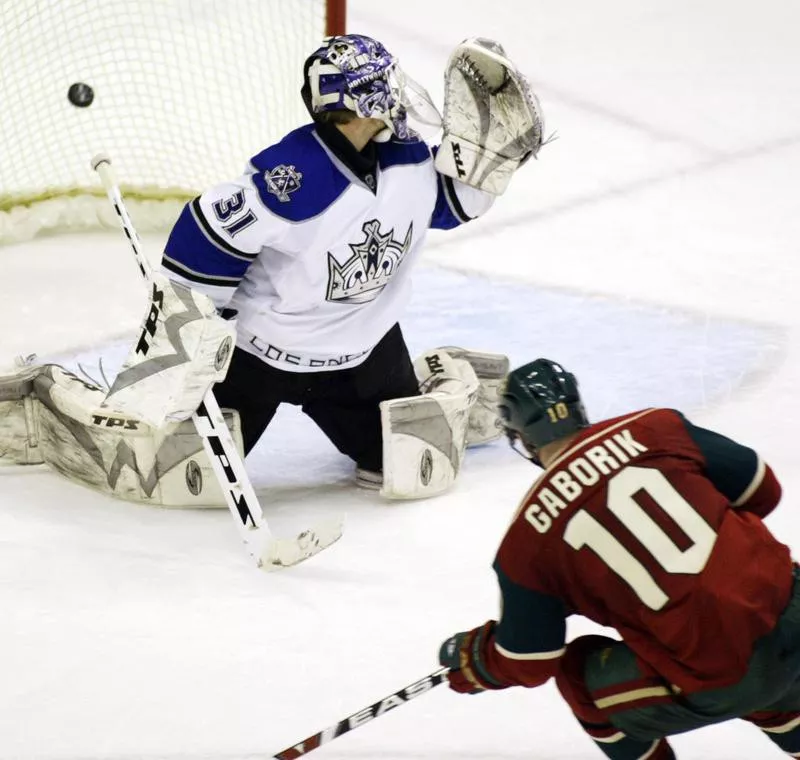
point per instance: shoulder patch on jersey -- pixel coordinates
(396, 153)
(295, 178)
(282, 180)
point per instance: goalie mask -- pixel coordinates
(356, 73)
(540, 403)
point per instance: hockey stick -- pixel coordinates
(267, 551)
(356, 720)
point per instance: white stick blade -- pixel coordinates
(284, 552)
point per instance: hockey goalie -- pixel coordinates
(311, 250)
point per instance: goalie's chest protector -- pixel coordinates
(333, 275)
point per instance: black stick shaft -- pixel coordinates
(356, 720)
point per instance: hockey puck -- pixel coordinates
(80, 95)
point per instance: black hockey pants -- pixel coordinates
(344, 403)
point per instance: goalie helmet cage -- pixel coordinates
(180, 92)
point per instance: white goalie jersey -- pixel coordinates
(315, 261)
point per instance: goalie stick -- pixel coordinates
(268, 551)
(356, 720)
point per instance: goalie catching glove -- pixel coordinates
(184, 347)
(492, 120)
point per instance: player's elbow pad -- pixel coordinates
(765, 497)
(526, 673)
(531, 677)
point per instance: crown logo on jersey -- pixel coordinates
(283, 180)
(373, 263)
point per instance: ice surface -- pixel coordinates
(652, 248)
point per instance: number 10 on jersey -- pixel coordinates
(584, 530)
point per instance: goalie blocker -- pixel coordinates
(133, 441)
(184, 347)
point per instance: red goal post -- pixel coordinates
(335, 17)
(178, 92)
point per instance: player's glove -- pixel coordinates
(465, 654)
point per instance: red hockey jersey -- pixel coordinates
(650, 525)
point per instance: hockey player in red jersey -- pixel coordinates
(653, 526)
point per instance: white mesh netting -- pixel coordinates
(185, 91)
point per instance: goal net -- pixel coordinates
(180, 93)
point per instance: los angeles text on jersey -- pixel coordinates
(568, 482)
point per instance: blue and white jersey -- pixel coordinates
(315, 258)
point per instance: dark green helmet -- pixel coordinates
(540, 403)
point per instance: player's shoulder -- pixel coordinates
(658, 428)
(654, 418)
(295, 178)
(403, 153)
(660, 420)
